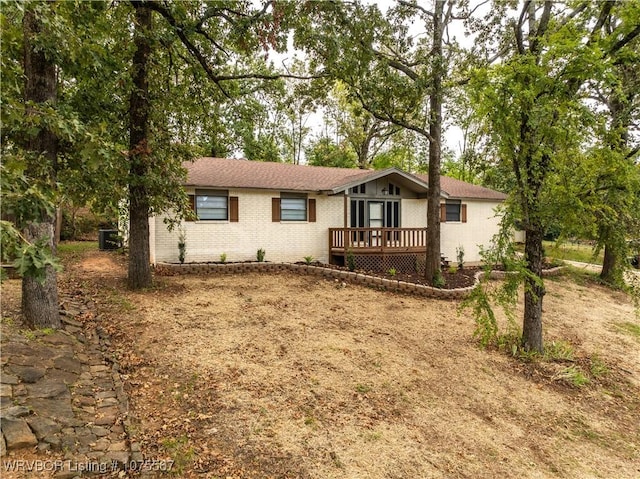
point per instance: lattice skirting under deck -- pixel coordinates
(403, 263)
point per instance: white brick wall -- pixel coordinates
(283, 241)
(482, 224)
(292, 241)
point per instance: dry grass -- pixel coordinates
(292, 376)
(287, 376)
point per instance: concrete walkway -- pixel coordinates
(586, 266)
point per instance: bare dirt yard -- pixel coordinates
(256, 376)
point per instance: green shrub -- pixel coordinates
(308, 259)
(351, 261)
(260, 255)
(182, 245)
(460, 256)
(438, 280)
(223, 258)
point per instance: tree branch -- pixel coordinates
(200, 58)
(627, 38)
(391, 119)
(518, 27)
(417, 7)
(534, 47)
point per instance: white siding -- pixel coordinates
(482, 224)
(285, 241)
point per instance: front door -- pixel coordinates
(376, 214)
(376, 220)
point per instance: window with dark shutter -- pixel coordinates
(293, 207)
(212, 204)
(453, 210)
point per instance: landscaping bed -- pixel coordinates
(458, 283)
(454, 278)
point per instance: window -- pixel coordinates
(453, 211)
(211, 205)
(214, 205)
(293, 208)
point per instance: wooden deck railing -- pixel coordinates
(377, 240)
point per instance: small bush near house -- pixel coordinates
(392, 271)
(460, 256)
(260, 255)
(308, 259)
(438, 280)
(223, 258)
(182, 245)
(351, 261)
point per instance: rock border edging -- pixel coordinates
(346, 276)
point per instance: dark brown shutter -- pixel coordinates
(192, 205)
(443, 213)
(233, 209)
(312, 210)
(463, 212)
(275, 210)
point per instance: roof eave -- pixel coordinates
(375, 175)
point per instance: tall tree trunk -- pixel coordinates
(432, 267)
(612, 266)
(611, 272)
(40, 300)
(139, 107)
(533, 293)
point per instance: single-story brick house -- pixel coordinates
(295, 211)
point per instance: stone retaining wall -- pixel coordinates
(330, 273)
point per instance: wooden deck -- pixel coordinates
(378, 241)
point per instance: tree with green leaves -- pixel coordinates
(53, 145)
(618, 91)
(355, 126)
(396, 76)
(324, 151)
(532, 104)
(220, 39)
